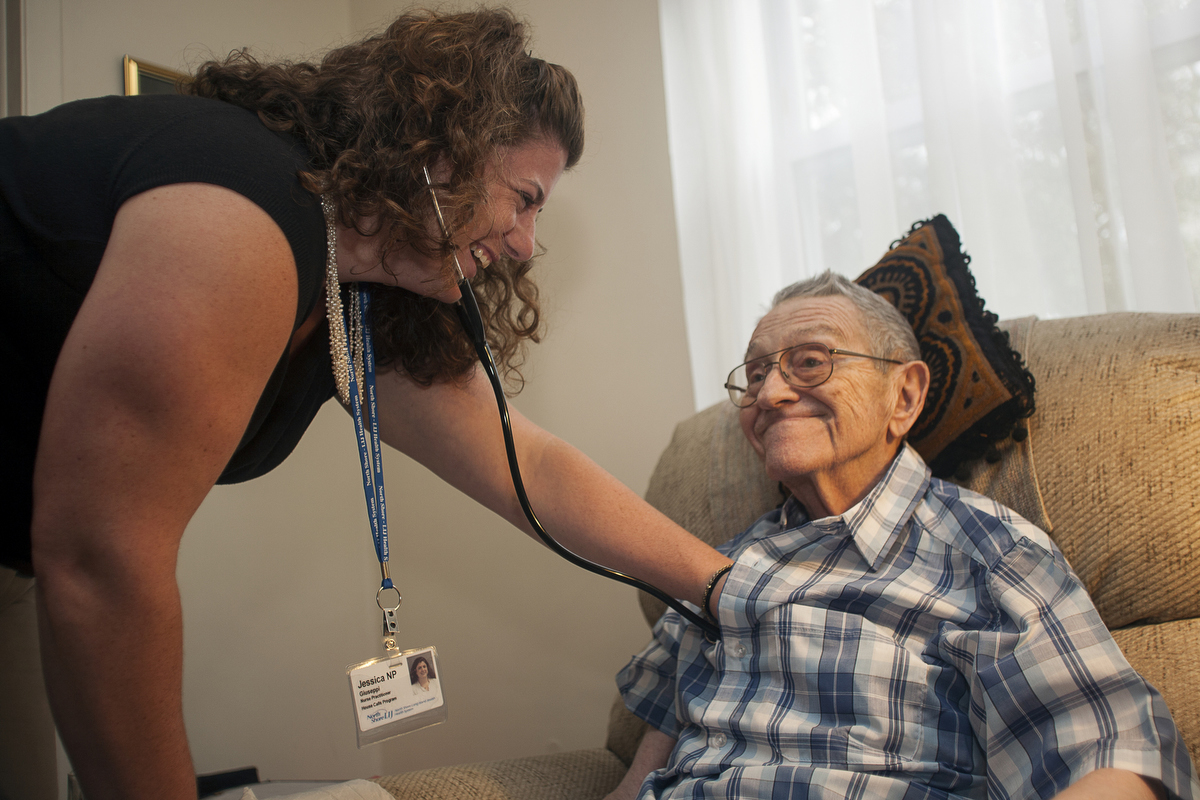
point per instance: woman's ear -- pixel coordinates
(912, 386)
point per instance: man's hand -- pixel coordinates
(1114, 784)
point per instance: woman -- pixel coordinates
(163, 262)
(424, 682)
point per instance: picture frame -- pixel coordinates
(142, 77)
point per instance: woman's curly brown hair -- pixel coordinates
(433, 88)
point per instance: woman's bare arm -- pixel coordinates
(454, 429)
(191, 308)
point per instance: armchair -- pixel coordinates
(1109, 465)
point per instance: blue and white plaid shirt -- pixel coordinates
(928, 643)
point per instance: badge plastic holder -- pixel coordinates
(388, 698)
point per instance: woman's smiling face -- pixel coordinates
(520, 180)
(519, 183)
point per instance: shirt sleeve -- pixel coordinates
(647, 683)
(1052, 696)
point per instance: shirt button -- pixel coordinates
(718, 740)
(737, 650)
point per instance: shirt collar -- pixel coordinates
(875, 521)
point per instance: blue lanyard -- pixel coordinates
(372, 477)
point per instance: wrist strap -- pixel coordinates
(708, 590)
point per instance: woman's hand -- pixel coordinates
(191, 308)
(454, 430)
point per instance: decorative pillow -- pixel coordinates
(979, 388)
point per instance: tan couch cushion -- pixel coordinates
(580, 775)
(1116, 449)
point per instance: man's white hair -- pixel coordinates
(887, 330)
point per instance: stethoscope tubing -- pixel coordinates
(467, 310)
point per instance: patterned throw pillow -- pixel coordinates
(979, 387)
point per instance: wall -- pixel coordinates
(277, 575)
(74, 47)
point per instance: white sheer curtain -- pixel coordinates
(1061, 137)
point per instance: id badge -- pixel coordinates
(396, 694)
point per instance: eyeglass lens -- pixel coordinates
(803, 366)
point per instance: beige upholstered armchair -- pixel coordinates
(1110, 467)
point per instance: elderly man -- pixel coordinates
(885, 634)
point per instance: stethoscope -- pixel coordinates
(467, 310)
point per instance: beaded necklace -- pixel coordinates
(342, 349)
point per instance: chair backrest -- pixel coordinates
(1110, 468)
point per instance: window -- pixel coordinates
(1061, 137)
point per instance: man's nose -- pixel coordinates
(774, 389)
(519, 241)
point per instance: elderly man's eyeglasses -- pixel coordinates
(803, 366)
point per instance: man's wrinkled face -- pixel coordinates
(833, 432)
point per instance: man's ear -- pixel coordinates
(912, 386)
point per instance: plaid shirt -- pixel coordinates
(928, 643)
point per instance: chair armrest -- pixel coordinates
(578, 775)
